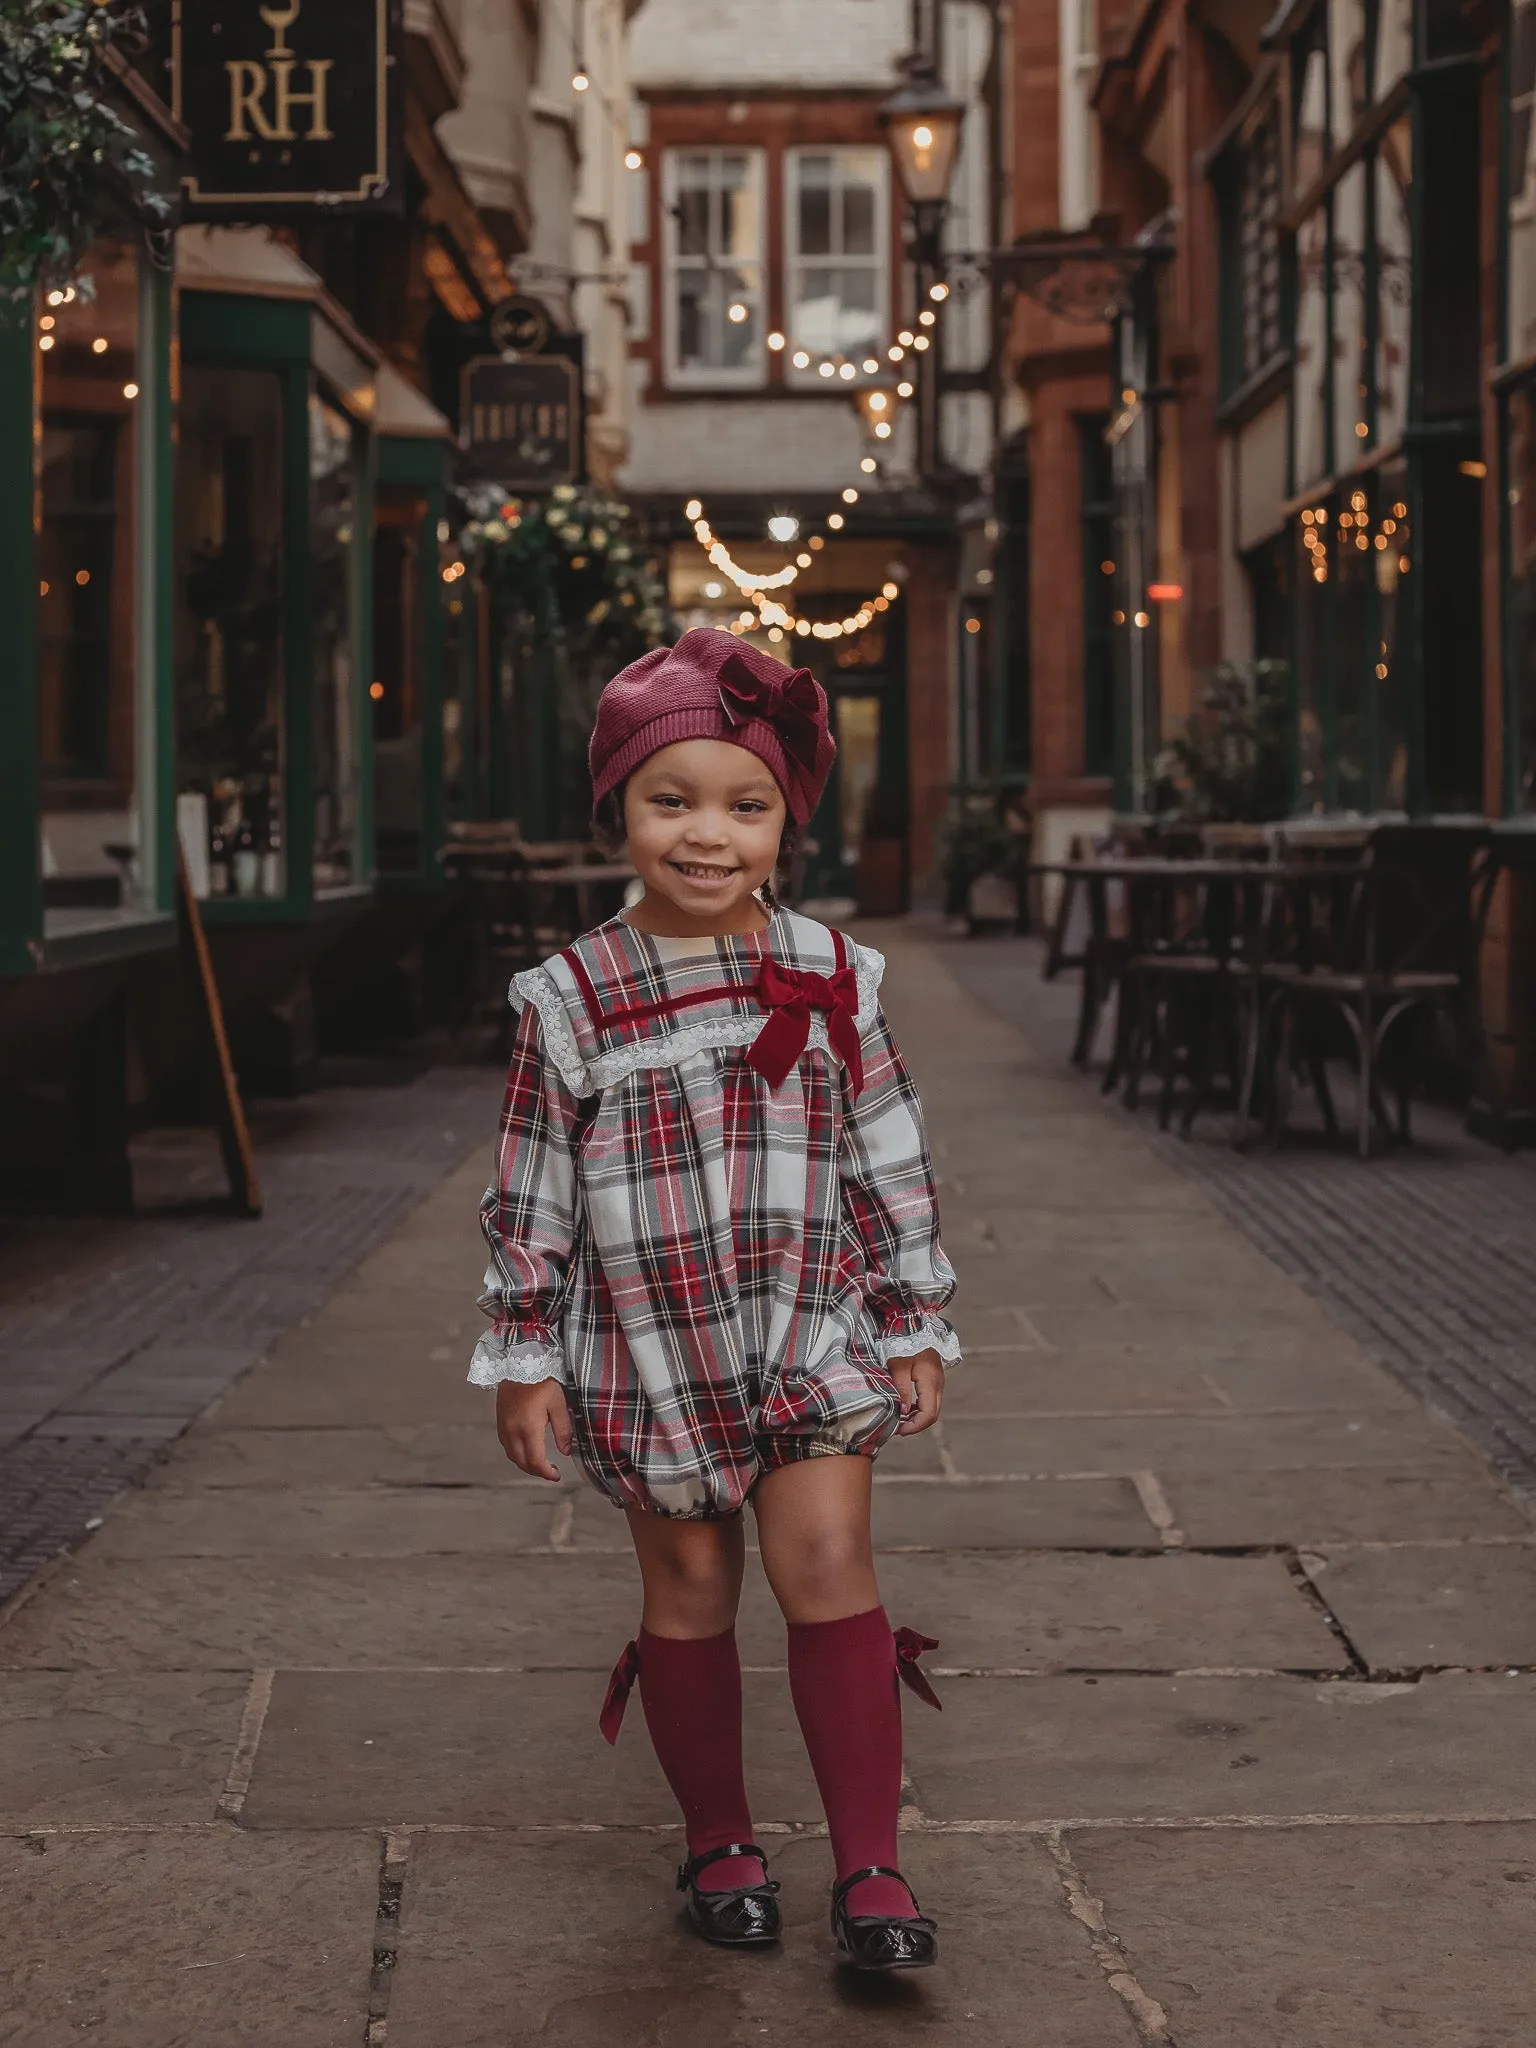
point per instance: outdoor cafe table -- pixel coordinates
(1238, 901)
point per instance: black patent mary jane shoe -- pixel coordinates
(745, 1917)
(879, 1941)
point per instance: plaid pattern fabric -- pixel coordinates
(719, 1273)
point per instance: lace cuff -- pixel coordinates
(508, 1356)
(929, 1333)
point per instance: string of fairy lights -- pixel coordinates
(766, 610)
(1354, 525)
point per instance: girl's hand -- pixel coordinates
(523, 1413)
(920, 1383)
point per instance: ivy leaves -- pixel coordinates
(571, 565)
(70, 165)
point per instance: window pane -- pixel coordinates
(692, 317)
(1346, 48)
(1522, 181)
(1257, 175)
(1312, 642)
(738, 328)
(1353, 648)
(693, 221)
(229, 625)
(1394, 279)
(738, 209)
(333, 509)
(89, 355)
(1351, 398)
(858, 220)
(1311, 372)
(1311, 116)
(1394, 43)
(1390, 559)
(815, 230)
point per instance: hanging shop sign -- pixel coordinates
(520, 422)
(292, 108)
(521, 324)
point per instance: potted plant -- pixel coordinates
(985, 862)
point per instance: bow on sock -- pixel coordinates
(790, 994)
(909, 1647)
(620, 1686)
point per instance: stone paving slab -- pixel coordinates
(1205, 1443)
(150, 1747)
(187, 1939)
(1030, 1514)
(1404, 1608)
(429, 1454)
(1128, 1749)
(481, 1520)
(1332, 1938)
(1000, 1611)
(491, 1749)
(1040, 1383)
(1344, 1505)
(488, 1930)
(413, 1375)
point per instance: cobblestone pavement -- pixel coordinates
(114, 1335)
(1238, 1663)
(1427, 1255)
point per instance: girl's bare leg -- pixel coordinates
(813, 1525)
(692, 1573)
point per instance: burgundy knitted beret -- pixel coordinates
(711, 686)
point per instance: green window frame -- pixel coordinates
(27, 943)
(292, 339)
(421, 465)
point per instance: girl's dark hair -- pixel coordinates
(608, 831)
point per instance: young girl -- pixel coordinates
(716, 1274)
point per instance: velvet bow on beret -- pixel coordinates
(711, 686)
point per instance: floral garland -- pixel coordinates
(570, 564)
(69, 163)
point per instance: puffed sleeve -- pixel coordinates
(890, 1201)
(529, 1219)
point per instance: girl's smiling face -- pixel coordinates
(702, 820)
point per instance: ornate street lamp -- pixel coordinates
(922, 130)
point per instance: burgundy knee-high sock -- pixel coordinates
(691, 1693)
(842, 1677)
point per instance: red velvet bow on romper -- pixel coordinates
(910, 1645)
(790, 994)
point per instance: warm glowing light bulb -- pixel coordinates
(99, 345)
(878, 401)
(835, 520)
(882, 430)
(800, 359)
(868, 464)
(922, 135)
(130, 391)
(693, 509)
(580, 82)
(775, 341)
(869, 365)
(846, 371)
(903, 389)
(736, 312)
(827, 369)
(921, 342)
(905, 337)
(45, 341)
(375, 691)
(633, 160)
(850, 496)
(927, 317)
(938, 292)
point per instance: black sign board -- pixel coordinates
(520, 422)
(520, 323)
(292, 106)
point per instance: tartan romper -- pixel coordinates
(713, 1218)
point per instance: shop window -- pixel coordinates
(94, 345)
(835, 250)
(1249, 190)
(714, 267)
(1349, 273)
(398, 686)
(1346, 52)
(1311, 409)
(1392, 561)
(1100, 572)
(1394, 44)
(1309, 97)
(1394, 281)
(334, 738)
(229, 659)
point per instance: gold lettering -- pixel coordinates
(286, 99)
(247, 83)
